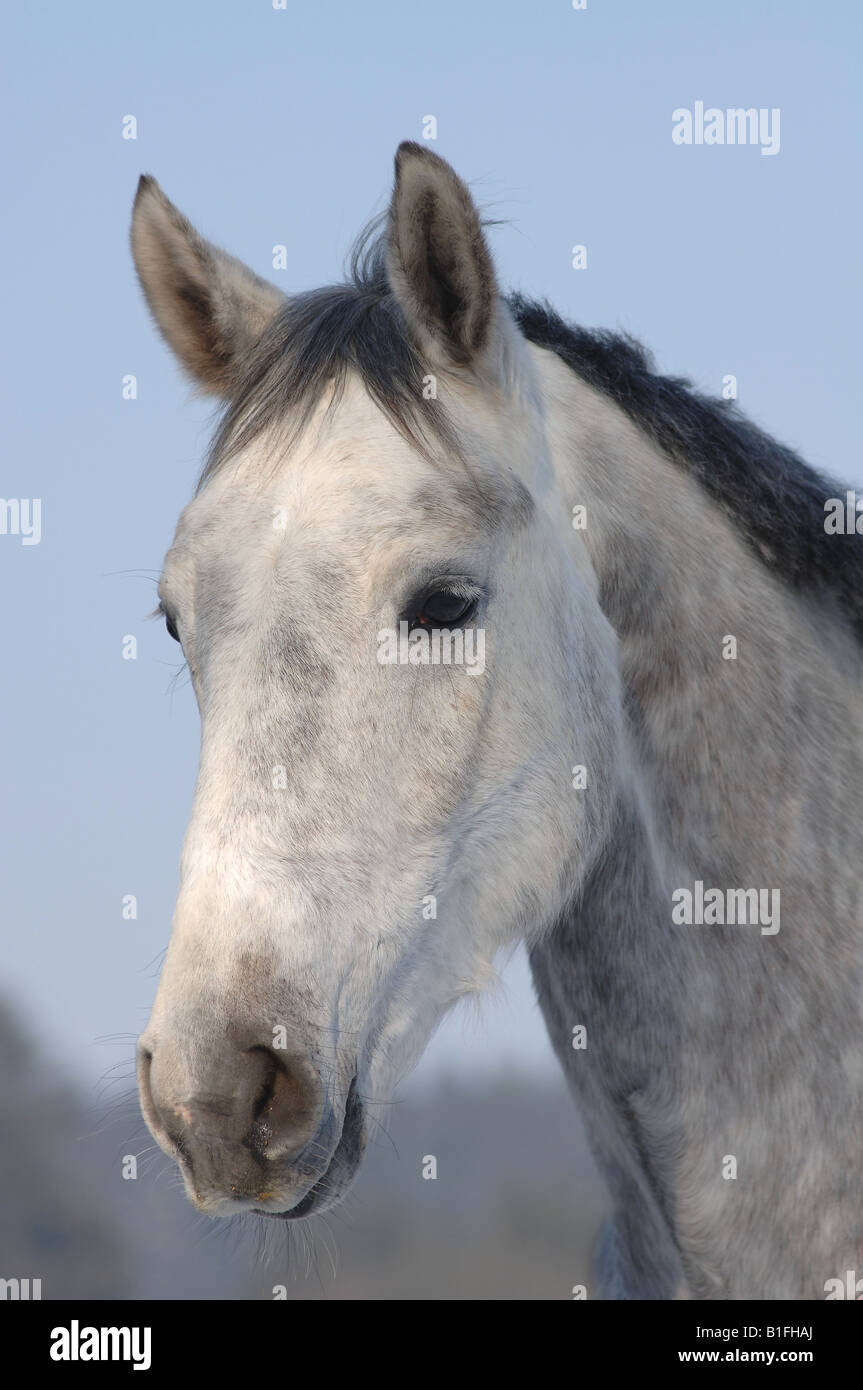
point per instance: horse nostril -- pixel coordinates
(267, 1088)
(234, 1114)
(286, 1104)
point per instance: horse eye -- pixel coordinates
(171, 627)
(444, 607)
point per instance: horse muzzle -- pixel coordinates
(249, 1125)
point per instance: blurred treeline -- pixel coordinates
(512, 1213)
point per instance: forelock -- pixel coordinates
(311, 346)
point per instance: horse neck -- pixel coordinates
(743, 772)
(740, 695)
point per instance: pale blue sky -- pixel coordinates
(279, 127)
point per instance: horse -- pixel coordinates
(652, 779)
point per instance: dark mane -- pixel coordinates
(771, 494)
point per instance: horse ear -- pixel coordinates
(209, 307)
(438, 263)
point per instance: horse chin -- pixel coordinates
(334, 1182)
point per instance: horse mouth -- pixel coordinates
(329, 1189)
